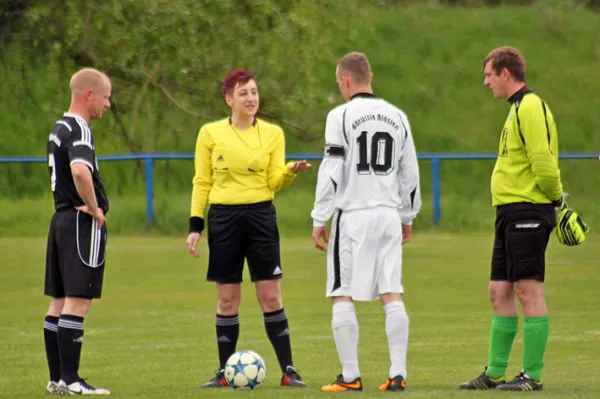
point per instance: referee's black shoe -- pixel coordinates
(218, 381)
(291, 378)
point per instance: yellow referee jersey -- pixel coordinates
(527, 166)
(234, 167)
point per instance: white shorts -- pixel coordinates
(364, 257)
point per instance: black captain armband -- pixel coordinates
(196, 224)
(335, 151)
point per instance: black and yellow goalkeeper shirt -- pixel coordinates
(527, 166)
(234, 167)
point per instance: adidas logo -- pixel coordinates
(277, 271)
(220, 158)
(223, 339)
(284, 333)
(79, 339)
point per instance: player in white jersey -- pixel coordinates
(369, 178)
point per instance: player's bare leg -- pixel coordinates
(268, 293)
(345, 333)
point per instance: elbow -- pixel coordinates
(546, 173)
(544, 165)
(202, 183)
(276, 182)
(274, 187)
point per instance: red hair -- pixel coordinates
(240, 76)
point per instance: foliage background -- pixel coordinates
(167, 59)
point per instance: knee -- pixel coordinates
(500, 297)
(528, 297)
(343, 314)
(56, 307)
(77, 306)
(227, 306)
(270, 301)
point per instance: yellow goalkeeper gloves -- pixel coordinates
(570, 229)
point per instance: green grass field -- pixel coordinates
(152, 334)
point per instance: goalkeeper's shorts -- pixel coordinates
(522, 234)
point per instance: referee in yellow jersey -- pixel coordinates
(526, 188)
(239, 165)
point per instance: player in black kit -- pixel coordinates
(77, 238)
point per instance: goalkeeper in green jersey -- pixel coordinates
(528, 195)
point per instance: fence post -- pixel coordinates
(435, 173)
(149, 191)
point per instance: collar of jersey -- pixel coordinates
(363, 95)
(254, 121)
(518, 96)
(74, 116)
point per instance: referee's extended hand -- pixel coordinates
(192, 243)
(98, 215)
(300, 166)
(319, 232)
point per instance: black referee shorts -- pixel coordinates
(243, 232)
(75, 256)
(522, 234)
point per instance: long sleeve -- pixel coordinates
(408, 178)
(279, 175)
(202, 181)
(330, 172)
(536, 134)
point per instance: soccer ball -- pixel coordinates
(245, 369)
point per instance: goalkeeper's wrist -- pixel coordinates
(560, 202)
(557, 203)
(196, 224)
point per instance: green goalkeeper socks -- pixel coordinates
(502, 336)
(535, 337)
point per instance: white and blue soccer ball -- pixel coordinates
(245, 369)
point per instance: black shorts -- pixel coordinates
(522, 234)
(243, 232)
(75, 256)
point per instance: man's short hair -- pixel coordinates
(509, 58)
(240, 76)
(357, 66)
(88, 78)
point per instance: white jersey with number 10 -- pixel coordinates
(370, 161)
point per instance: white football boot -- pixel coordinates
(81, 388)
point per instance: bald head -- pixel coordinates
(90, 93)
(88, 79)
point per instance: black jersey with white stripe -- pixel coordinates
(71, 142)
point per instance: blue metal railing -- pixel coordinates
(150, 158)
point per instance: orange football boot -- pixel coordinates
(394, 384)
(339, 385)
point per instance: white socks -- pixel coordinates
(396, 328)
(345, 334)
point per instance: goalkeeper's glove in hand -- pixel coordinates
(570, 229)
